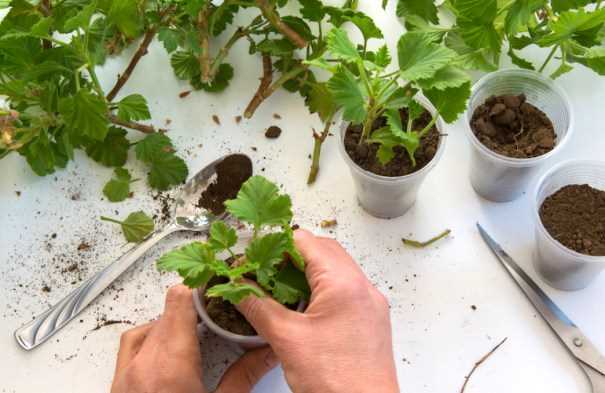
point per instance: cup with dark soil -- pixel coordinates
(388, 191)
(570, 224)
(517, 119)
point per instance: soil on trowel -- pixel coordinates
(231, 173)
(511, 126)
(364, 154)
(575, 216)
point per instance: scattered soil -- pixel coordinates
(216, 119)
(101, 323)
(46, 289)
(184, 94)
(277, 116)
(83, 246)
(231, 173)
(238, 119)
(328, 223)
(510, 126)
(273, 132)
(575, 216)
(364, 154)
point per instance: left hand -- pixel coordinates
(164, 355)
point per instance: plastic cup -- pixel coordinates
(390, 197)
(499, 178)
(558, 265)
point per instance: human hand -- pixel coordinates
(164, 356)
(342, 343)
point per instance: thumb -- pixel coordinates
(247, 371)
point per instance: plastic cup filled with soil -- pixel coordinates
(516, 120)
(570, 224)
(389, 190)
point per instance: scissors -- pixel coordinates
(584, 352)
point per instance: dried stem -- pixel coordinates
(265, 84)
(318, 143)
(142, 51)
(204, 35)
(132, 125)
(479, 362)
(268, 11)
(417, 244)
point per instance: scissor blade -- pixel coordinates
(575, 341)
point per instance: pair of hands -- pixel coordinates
(342, 343)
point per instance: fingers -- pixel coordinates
(130, 344)
(264, 314)
(247, 371)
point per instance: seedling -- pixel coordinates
(270, 260)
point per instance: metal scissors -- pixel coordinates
(585, 353)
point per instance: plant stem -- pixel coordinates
(95, 80)
(142, 51)
(417, 244)
(132, 125)
(429, 126)
(222, 54)
(479, 362)
(103, 218)
(318, 143)
(204, 35)
(268, 11)
(549, 58)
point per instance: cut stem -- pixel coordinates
(269, 12)
(204, 36)
(103, 218)
(131, 124)
(418, 244)
(317, 145)
(479, 362)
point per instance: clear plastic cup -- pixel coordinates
(499, 178)
(558, 265)
(390, 197)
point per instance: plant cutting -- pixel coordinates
(392, 136)
(230, 266)
(50, 52)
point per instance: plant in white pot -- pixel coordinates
(392, 135)
(229, 267)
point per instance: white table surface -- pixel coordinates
(437, 336)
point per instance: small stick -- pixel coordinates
(417, 244)
(479, 362)
(132, 125)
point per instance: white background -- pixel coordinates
(437, 336)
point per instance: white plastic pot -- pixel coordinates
(390, 197)
(558, 265)
(499, 178)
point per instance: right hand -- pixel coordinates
(342, 343)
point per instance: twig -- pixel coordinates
(417, 244)
(142, 51)
(204, 35)
(268, 11)
(265, 84)
(132, 125)
(317, 145)
(479, 362)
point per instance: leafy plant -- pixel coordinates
(271, 259)
(573, 30)
(366, 91)
(49, 54)
(136, 227)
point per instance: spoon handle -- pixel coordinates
(52, 320)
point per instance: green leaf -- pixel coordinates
(125, 14)
(40, 156)
(267, 252)
(425, 9)
(480, 36)
(290, 286)
(387, 141)
(185, 65)
(136, 227)
(320, 101)
(193, 262)
(222, 17)
(118, 188)
(419, 58)
(152, 146)
(167, 170)
(519, 15)
(85, 114)
(570, 23)
(260, 204)
(295, 256)
(112, 151)
(383, 57)
(564, 5)
(234, 292)
(519, 61)
(365, 24)
(341, 47)
(594, 58)
(484, 11)
(312, 10)
(563, 69)
(169, 38)
(446, 77)
(82, 19)
(409, 140)
(133, 107)
(219, 83)
(277, 47)
(451, 102)
(42, 27)
(222, 237)
(349, 93)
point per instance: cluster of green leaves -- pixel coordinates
(366, 90)
(572, 29)
(49, 53)
(271, 259)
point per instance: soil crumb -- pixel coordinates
(216, 119)
(511, 126)
(107, 322)
(231, 173)
(364, 154)
(184, 94)
(238, 119)
(273, 132)
(277, 116)
(83, 246)
(328, 223)
(575, 217)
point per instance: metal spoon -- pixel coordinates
(188, 217)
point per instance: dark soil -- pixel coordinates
(364, 154)
(231, 173)
(226, 315)
(575, 216)
(510, 126)
(273, 132)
